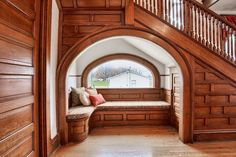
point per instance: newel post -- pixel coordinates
(129, 12)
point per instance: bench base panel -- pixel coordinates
(78, 130)
(122, 118)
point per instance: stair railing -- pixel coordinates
(198, 22)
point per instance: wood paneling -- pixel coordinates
(116, 117)
(176, 102)
(77, 24)
(214, 107)
(139, 94)
(78, 4)
(78, 129)
(19, 27)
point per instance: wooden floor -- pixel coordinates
(143, 142)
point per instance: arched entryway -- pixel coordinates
(185, 127)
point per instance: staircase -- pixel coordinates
(197, 22)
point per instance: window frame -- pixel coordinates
(128, 57)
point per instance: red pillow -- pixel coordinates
(97, 99)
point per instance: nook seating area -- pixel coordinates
(82, 119)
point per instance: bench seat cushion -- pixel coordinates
(85, 111)
(133, 105)
(79, 112)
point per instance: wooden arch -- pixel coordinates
(185, 122)
(129, 57)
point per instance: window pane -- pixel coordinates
(120, 74)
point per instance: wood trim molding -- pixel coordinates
(185, 130)
(122, 56)
(209, 3)
(47, 145)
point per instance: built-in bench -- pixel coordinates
(116, 113)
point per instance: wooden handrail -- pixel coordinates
(198, 22)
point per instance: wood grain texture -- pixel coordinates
(145, 141)
(214, 104)
(84, 4)
(136, 117)
(77, 24)
(138, 94)
(19, 26)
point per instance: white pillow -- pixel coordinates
(84, 98)
(91, 91)
(79, 90)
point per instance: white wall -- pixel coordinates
(53, 67)
(72, 79)
(113, 46)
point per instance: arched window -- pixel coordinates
(120, 74)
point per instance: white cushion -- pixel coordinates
(84, 98)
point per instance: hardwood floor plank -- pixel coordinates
(143, 141)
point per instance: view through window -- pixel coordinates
(120, 74)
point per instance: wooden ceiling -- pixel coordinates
(75, 4)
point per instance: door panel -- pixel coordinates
(19, 27)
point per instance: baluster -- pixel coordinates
(166, 9)
(231, 43)
(227, 41)
(220, 37)
(199, 24)
(177, 13)
(214, 33)
(207, 30)
(169, 11)
(181, 14)
(161, 8)
(152, 6)
(149, 5)
(217, 37)
(186, 17)
(234, 45)
(191, 19)
(144, 4)
(174, 12)
(156, 6)
(210, 32)
(195, 23)
(203, 27)
(223, 32)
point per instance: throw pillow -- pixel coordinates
(97, 99)
(84, 98)
(75, 92)
(91, 91)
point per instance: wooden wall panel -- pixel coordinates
(135, 117)
(78, 4)
(12, 17)
(19, 26)
(15, 120)
(142, 94)
(214, 104)
(78, 24)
